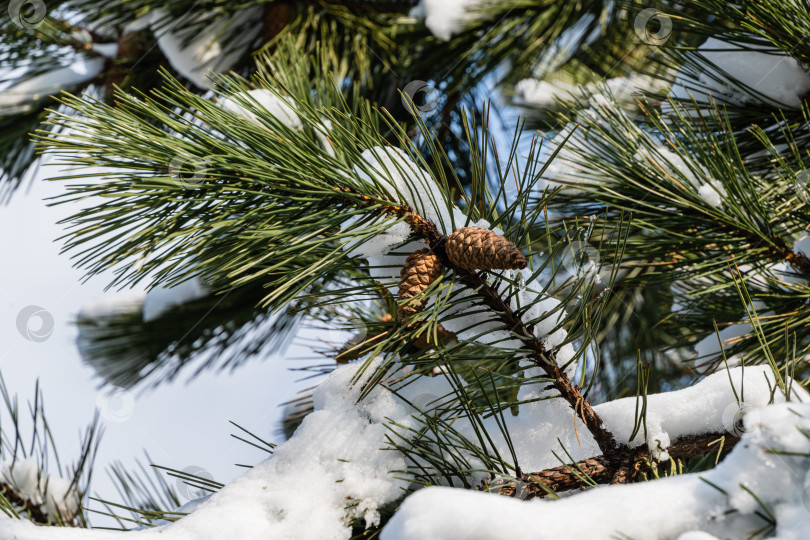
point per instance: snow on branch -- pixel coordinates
(338, 469)
(766, 472)
(602, 470)
(43, 499)
(740, 74)
(392, 170)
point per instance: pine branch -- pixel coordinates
(38, 448)
(678, 234)
(540, 355)
(777, 250)
(604, 470)
(221, 331)
(292, 176)
(34, 511)
(545, 360)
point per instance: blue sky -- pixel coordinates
(182, 424)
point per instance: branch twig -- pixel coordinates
(603, 470)
(34, 512)
(544, 358)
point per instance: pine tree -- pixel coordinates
(616, 294)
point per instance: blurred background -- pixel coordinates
(181, 424)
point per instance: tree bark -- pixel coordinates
(607, 470)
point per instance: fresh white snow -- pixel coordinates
(207, 51)
(55, 496)
(445, 18)
(152, 304)
(107, 50)
(709, 189)
(337, 458)
(101, 308)
(282, 108)
(729, 74)
(667, 508)
(573, 168)
(19, 97)
(624, 90)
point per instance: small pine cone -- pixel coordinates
(473, 248)
(421, 269)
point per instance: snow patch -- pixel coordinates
(706, 407)
(624, 90)
(774, 77)
(282, 108)
(445, 18)
(161, 299)
(18, 98)
(104, 307)
(206, 51)
(684, 507)
(709, 189)
(336, 468)
(56, 497)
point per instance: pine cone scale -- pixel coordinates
(473, 248)
(421, 268)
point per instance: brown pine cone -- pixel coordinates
(473, 248)
(276, 17)
(421, 269)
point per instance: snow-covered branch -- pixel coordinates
(766, 473)
(340, 455)
(426, 229)
(601, 470)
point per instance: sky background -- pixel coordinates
(180, 424)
